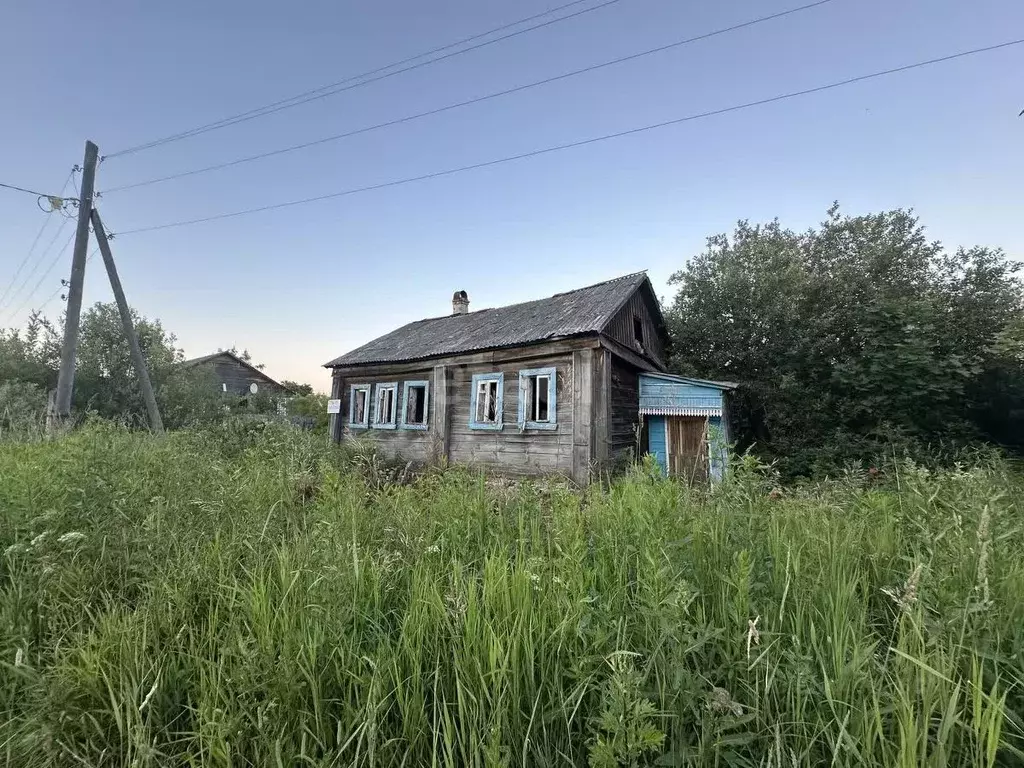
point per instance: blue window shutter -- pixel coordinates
(472, 402)
(500, 408)
(553, 397)
(521, 412)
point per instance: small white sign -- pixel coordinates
(334, 406)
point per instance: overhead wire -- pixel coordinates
(27, 191)
(35, 242)
(12, 296)
(468, 102)
(57, 290)
(581, 142)
(347, 83)
(60, 254)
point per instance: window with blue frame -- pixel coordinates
(537, 398)
(359, 406)
(415, 404)
(385, 407)
(486, 401)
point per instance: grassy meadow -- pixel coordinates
(251, 597)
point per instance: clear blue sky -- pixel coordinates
(301, 285)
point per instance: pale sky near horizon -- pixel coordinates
(300, 285)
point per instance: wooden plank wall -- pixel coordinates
(412, 444)
(531, 452)
(621, 327)
(625, 409)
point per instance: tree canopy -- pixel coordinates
(854, 338)
(105, 379)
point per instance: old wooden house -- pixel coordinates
(234, 376)
(548, 386)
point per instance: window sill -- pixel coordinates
(416, 427)
(358, 426)
(546, 426)
(486, 427)
(383, 426)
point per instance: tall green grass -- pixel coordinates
(252, 598)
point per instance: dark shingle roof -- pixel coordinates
(574, 313)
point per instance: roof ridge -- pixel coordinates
(603, 282)
(531, 301)
(584, 310)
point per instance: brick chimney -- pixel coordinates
(460, 303)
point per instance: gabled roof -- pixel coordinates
(580, 312)
(256, 371)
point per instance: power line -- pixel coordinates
(32, 248)
(49, 269)
(581, 142)
(58, 288)
(468, 102)
(28, 191)
(46, 250)
(340, 85)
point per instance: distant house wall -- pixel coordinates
(238, 377)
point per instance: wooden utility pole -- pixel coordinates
(138, 361)
(66, 378)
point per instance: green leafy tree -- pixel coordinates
(32, 355)
(852, 336)
(105, 379)
(244, 356)
(298, 389)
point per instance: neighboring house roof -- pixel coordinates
(579, 312)
(209, 358)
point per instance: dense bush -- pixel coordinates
(105, 381)
(22, 410)
(311, 409)
(855, 339)
(243, 596)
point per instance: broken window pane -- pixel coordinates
(487, 402)
(538, 394)
(415, 405)
(385, 413)
(541, 411)
(360, 405)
